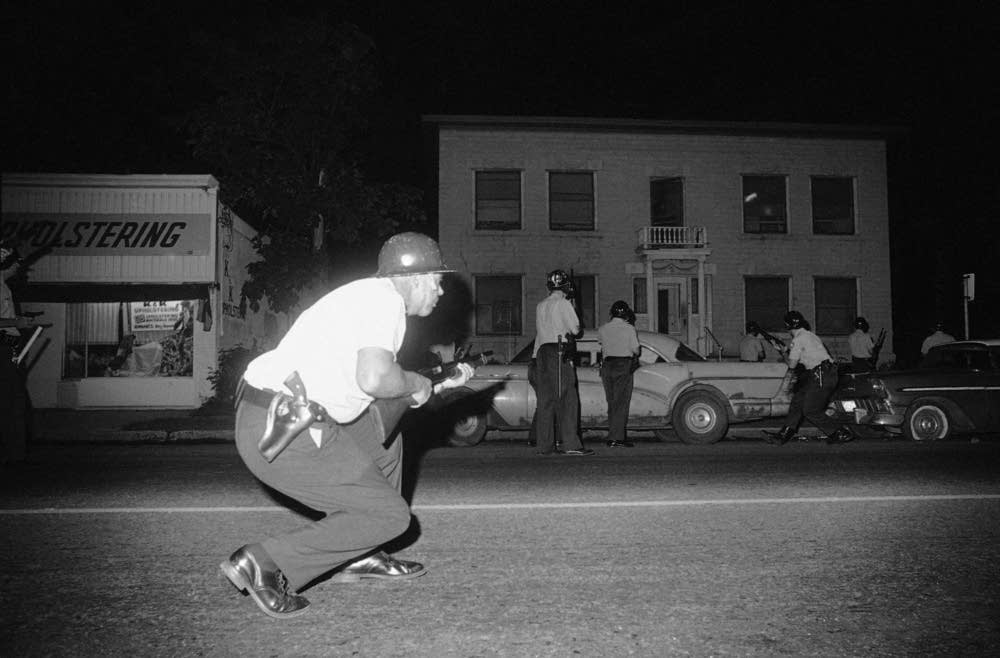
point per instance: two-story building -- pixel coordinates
(699, 226)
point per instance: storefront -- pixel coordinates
(140, 279)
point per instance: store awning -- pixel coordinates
(109, 292)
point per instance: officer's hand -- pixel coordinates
(465, 371)
(421, 397)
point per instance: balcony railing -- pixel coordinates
(672, 237)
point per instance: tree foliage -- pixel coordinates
(286, 136)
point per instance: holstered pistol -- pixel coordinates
(287, 416)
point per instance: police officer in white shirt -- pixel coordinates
(557, 325)
(861, 345)
(349, 467)
(620, 352)
(811, 396)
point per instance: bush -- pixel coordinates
(226, 378)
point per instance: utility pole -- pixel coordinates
(968, 294)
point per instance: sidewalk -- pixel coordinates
(130, 426)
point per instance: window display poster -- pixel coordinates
(154, 316)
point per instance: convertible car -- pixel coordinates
(956, 389)
(674, 387)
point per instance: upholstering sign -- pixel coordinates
(106, 234)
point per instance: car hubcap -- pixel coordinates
(700, 418)
(927, 425)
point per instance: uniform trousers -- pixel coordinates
(352, 478)
(13, 405)
(616, 375)
(813, 389)
(558, 400)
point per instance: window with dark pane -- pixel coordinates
(833, 205)
(571, 201)
(766, 301)
(498, 305)
(764, 204)
(498, 200)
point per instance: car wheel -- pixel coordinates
(700, 419)
(926, 422)
(467, 431)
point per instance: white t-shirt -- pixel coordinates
(323, 344)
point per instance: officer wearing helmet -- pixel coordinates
(620, 350)
(862, 345)
(814, 388)
(556, 328)
(348, 465)
(752, 345)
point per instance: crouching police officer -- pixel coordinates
(346, 464)
(812, 394)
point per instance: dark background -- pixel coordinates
(96, 88)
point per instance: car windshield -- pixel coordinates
(685, 353)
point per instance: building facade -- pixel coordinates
(139, 278)
(700, 227)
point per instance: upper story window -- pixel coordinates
(833, 205)
(836, 305)
(766, 301)
(765, 204)
(571, 200)
(498, 200)
(666, 202)
(498, 305)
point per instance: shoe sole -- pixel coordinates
(239, 581)
(357, 577)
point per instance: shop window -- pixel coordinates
(498, 305)
(764, 204)
(833, 205)
(498, 200)
(666, 202)
(129, 339)
(571, 201)
(585, 301)
(836, 305)
(766, 301)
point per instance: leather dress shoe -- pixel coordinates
(779, 438)
(620, 444)
(842, 435)
(267, 587)
(379, 565)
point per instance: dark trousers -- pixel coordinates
(13, 406)
(558, 400)
(352, 478)
(616, 375)
(861, 364)
(813, 389)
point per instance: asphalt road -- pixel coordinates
(874, 548)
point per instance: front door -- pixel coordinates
(671, 307)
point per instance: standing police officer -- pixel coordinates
(861, 344)
(620, 349)
(813, 392)
(557, 326)
(349, 465)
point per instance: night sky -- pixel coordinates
(93, 88)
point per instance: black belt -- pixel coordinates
(256, 396)
(823, 364)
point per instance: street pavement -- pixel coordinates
(874, 548)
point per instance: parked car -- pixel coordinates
(674, 387)
(955, 389)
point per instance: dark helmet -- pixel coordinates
(861, 323)
(794, 320)
(621, 310)
(559, 280)
(410, 253)
(753, 327)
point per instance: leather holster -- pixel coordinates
(287, 416)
